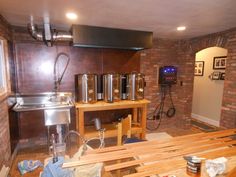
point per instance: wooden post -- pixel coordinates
(135, 115)
(81, 125)
(143, 120)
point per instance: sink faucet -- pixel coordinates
(57, 77)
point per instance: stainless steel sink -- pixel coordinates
(42, 101)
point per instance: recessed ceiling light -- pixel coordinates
(181, 28)
(71, 16)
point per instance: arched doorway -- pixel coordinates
(207, 88)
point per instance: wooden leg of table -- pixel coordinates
(143, 121)
(135, 115)
(80, 124)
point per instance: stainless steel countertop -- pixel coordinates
(42, 101)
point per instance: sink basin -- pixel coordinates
(43, 101)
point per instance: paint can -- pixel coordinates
(194, 167)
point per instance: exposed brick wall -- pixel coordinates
(5, 150)
(182, 54)
(228, 113)
(226, 39)
(165, 52)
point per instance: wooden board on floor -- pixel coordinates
(157, 154)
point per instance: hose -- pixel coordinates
(58, 79)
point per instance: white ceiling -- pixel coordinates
(160, 16)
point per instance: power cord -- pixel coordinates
(171, 111)
(156, 116)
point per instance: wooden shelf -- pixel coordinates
(139, 113)
(111, 131)
(101, 105)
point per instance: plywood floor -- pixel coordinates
(40, 152)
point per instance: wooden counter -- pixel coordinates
(136, 106)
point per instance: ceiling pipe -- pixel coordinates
(48, 35)
(33, 30)
(62, 36)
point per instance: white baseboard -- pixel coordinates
(206, 120)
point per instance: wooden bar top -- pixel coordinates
(102, 105)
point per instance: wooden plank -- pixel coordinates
(206, 154)
(143, 121)
(135, 115)
(157, 157)
(128, 153)
(163, 143)
(154, 157)
(101, 105)
(91, 161)
(111, 131)
(217, 134)
(164, 167)
(155, 151)
(162, 163)
(167, 147)
(81, 124)
(232, 173)
(181, 172)
(107, 149)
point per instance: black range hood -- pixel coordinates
(100, 37)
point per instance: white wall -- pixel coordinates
(207, 94)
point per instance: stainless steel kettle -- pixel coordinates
(86, 88)
(135, 86)
(111, 87)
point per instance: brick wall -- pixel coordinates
(228, 113)
(165, 52)
(226, 39)
(182, 54)
(5, 150)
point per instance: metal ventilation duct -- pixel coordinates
(100, 37)
(48, 35)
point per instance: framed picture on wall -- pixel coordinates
(215, 75)
(219, 62)
(222, 76)
(199, 68)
